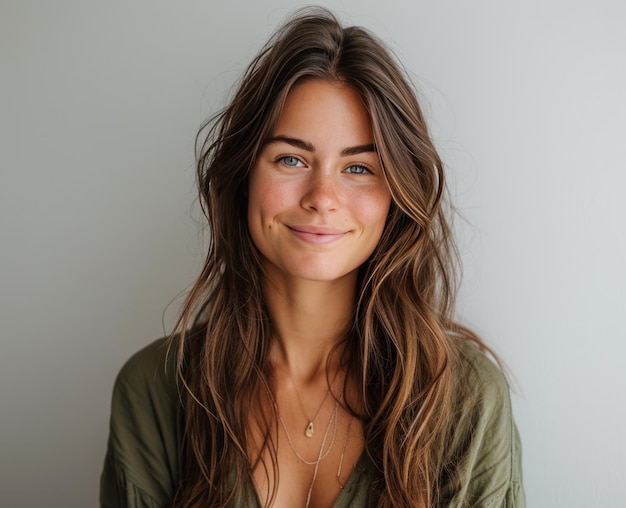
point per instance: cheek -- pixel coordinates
(272, 196)
(375, 210)
(255, 217)
(254, 192)
(267, 200)
(258, 189)
(263, 202)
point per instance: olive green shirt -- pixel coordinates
(141, 464)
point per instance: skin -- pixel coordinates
(318, 202)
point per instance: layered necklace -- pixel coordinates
(325, 448)
(332, 421)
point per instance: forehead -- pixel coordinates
(332, 112)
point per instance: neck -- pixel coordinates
(309, 319)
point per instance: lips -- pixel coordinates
(319, 235)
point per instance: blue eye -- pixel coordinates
(357, 170)
(291, 161)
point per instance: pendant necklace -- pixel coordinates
(332, 422)
(309, 430)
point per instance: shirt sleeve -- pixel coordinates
(141, 464)
(118, 491)
(486, 443)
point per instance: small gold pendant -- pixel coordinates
(310, 430)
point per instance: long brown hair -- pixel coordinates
(403, 340)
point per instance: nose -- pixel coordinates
(321, 194)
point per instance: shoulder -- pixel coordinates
(485, 444)
(482, 379)
(483, 400)
(145, 388)
(143, 446)
(149, 369)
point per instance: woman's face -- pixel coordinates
(318, 199)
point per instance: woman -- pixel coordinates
(316, 361)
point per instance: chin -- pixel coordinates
(320, 273)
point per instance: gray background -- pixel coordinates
(99, 105)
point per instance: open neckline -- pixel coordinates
(357, 472)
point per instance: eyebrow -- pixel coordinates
(305, 145)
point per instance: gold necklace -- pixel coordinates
(343, 451)
(309, 430)
(322, 454)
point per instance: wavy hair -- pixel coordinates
(402, 343)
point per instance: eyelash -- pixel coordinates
(283, 158)
(363, 169)
(360, 167)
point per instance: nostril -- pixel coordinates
(320, 198)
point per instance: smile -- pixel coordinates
(316, 234)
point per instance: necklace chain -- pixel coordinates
(319, 457)
(343, 451)
(309, 430)
(317, 465)
(323, 454)
(309, 433)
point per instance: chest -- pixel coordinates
(303, 470)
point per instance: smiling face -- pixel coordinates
(318, 199)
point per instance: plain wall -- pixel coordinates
(99, 106)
